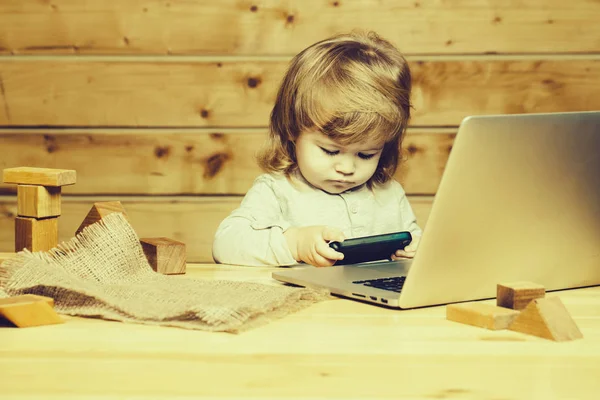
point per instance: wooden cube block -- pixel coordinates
(36, 234)
(29, 310)
(547, 318)
(40, 176)
(483, 315)
(166, 256)
(38, 201)
(517, 295)
(100, 210)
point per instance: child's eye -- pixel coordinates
(366, 156)
(330, 152)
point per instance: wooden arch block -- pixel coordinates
(547, 318)
(165, 256)
(40, 176)
(100, 210)
(29, 310)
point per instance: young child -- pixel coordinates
(335, 134)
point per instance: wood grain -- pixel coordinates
(193, 93)
(276, 27)
(437, 359)
(188, 161)
(547, 318)
(479, 314)
(191, 220)
(39, 176)
(35, 234)
(517, 295)
(100, 210)
(165, 256)
(38, 201)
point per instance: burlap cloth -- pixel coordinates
(103, 273)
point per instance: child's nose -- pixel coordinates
(345, 166)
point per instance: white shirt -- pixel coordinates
(253, 233)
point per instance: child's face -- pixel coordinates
(333, 167)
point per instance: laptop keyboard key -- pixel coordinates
(393, 284)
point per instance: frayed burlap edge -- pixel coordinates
(297, 299)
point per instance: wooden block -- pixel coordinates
(547, 318)
(40, 176)
(517, 295)
(483, 315)
(166, 256)
(100, 210)
(36, 234)
(38, 201)
(29, 310)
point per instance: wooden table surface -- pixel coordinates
(335, 349)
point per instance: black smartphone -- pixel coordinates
(371, 248)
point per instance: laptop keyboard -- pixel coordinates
(393, 284)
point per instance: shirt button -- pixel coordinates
(354, 209)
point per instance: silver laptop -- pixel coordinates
(519, 200)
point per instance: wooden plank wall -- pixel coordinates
(162, 103)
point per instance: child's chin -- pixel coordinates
(337, 190)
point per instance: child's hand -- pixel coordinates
(309, 244)
(409, 251)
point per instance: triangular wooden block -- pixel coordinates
(99, 211)
(547, 318)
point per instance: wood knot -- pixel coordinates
(449, 42)
(217, 136)
(412, 149)
(162, 151)
(336, 4)
(497, 20)
(254, 8)
(189, 148)
(253, 82)
(289, 19)
(126, 40)
(50, 143)
(204, 113)
(552, 84)
(214, 164)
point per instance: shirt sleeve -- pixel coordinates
(409, 220)
(253, 233)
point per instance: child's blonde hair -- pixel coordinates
(347, 87)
